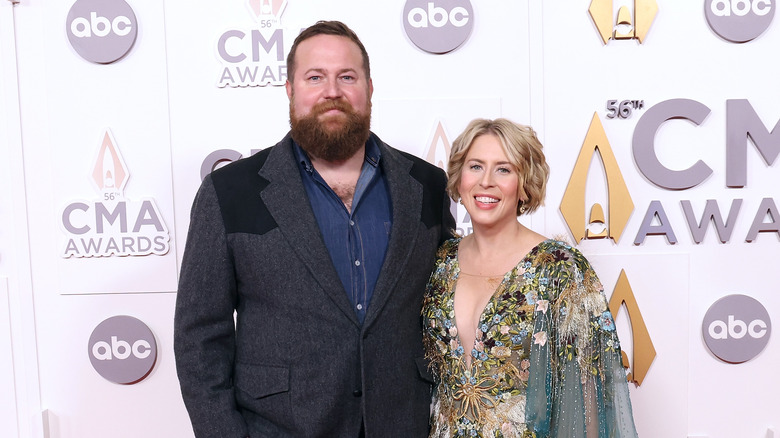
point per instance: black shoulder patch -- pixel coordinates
(434, 184)
(238, 186)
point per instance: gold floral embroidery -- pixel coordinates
(473, 397)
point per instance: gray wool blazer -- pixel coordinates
(296, 362)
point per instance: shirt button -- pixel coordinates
(360, 307)
(352, 223)
(357, 262)
(357, 393)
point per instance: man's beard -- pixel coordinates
(337, 138)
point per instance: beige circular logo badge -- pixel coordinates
(101, 31)
(736, 328)
(439, 26)
(122, 349)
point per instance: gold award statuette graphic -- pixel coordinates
(573, 203)
(601, 12)
(643, 348)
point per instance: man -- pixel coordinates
(322, 246)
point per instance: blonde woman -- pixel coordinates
(517, 327)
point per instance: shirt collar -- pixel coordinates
(373, 155)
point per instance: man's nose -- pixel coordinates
(333, 89)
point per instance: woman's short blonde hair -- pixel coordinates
(522, 148)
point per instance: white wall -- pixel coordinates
(531, 61)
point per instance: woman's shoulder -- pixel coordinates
(552, 245)
(558, 252)
(449, 249)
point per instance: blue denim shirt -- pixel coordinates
(356, 240)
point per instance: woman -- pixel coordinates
(517, 327)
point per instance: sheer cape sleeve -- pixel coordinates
(577, 385)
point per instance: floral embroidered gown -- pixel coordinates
(546, 360)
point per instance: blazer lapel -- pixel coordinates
(287, 201)
(406, 195)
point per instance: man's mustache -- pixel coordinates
(341, 105)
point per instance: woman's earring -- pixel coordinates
(522, 207)
(460, 201)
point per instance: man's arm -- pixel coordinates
(448, 225)
(204, 329)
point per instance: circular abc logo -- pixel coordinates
(101, 31)
(736, 328)
(122, 349)
(739, 21)
(438, 26)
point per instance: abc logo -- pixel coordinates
(98, 26)
(724, 8)
(437, 17)
(736, 328)
(739, 21)
(438, 26)
(122, 349)
(101, 31)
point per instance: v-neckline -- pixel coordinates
(456, 276)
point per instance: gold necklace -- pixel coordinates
(492, 280)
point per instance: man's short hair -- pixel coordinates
(326, 28)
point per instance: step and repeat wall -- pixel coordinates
(659, 120)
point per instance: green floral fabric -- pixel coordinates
(546, 360)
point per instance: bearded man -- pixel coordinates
(298, 310)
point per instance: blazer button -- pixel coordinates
(357, 393)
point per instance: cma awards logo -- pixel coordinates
(742, 125)
(113, 224)
(255, 56)
(101, 31)
(624, 25)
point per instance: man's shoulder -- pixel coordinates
(236, 186)
(419, 169)
(239, 168)
(248, 169)
(419, 163)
